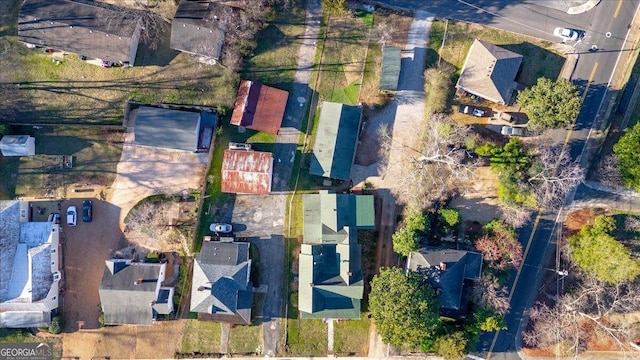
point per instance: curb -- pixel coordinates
(590, 4)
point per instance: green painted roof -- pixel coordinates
(390, 68)
(335, 143)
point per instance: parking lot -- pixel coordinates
(85, 248)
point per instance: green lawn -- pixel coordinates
(245, 340)
(306, 337)
(539, 60)
(351, 337)
(201, 336)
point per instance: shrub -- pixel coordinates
(57, 325)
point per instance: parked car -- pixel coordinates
(566, 34)
(512, 131)
(72, 215)
(54, 218)
(221, 228)
(87, 211)
(106, 63)
(473, 111)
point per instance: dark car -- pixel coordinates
(87, 211)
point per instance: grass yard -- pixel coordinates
(96, 152)
(23, 336)
(276, 56)
(351, 337)
(201, 336)
(306, 337)
(245, 340)
(540, 60)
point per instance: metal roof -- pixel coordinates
(390, 73)
(18, 145)
(335, 143)
(197, 29)
(489, 72)
(87, 28)
(247, 172)
(259, 107)
(165, 128)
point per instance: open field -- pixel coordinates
(351, 337)
(245, 340)
(306, 337)
(201, 336)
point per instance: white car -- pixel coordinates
(566, 34)
(512, 131)
(473, 111)
(72, 215)
(221, 228)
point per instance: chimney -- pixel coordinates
(311, 285)
(443, 266)
(138, 282)
(349, 274)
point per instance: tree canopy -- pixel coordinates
(628, 156)
(407, 238)
(550, 104)
(453, 346)
(405, 308)
(599, 255)
(499, 245)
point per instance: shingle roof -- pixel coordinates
(458, 266)
(259, 107)
(196, 28)
(247, 172)
(171, 129)
(128, 293)
(489, 72)
(336, 138)
(87, 28)
(390, 68)
(221, 287)
(335, 218)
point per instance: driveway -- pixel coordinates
(144, 171)
(86, 247)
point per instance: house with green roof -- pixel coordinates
(336, 138)
(331, 283)
(390, 74)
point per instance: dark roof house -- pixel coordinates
(221, 289)
(91, 29)
(447, 271)
(331, 283)
(174, 129)
(197, 29)
(247, 172)
(489, 72)
(259, 107)
(390, 68)
(133, 293)
(335, 147)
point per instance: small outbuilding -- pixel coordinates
(390, 68)
(18, 145)
(247, 172)
(197, 28)
(335, 146)
(259, 107)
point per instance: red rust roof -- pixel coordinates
(247, 172)
(259, 107)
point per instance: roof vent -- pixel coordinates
(349, 274)
(138, 282)
(311, 284)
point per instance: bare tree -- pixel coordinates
(383, 31)
(516, 216)
(151, 226)
(591, 311)
(152, 26)
(436, 165)
(553, 175)
(609, 171)
(489, 294)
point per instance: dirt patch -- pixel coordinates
(480, 202)
(577, 219)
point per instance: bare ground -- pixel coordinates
(480, 202)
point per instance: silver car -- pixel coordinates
(72, 215)
(566, 34)
(221, 228)
(512, 131)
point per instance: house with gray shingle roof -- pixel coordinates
(133, 293)
(336, 138)
(198, 28)
(331, 283)
(221, 289)
(489, 72)
(449, 272)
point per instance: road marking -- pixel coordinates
(615, 14)
(593, 73)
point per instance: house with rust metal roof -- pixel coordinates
(221, 289)
(31, 273)
(247, 172)
(337, 136)
(197, 28)
(91, 29)
(259, 107)
(331, 282)
(489, 72)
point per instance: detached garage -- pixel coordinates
(18, 145)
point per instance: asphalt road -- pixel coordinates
(606, 27)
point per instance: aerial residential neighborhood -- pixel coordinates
(319, 178)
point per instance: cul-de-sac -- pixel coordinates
(451, 179)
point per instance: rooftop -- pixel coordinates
(197, 28)
(247, 172)
(166, 128)
(259, 107)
